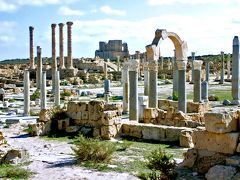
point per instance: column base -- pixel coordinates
(235, 102)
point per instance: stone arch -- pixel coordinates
(180, 46)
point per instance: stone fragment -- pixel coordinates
(2, 139)
(189, 158)
(95, 109)
(149, 115)
(153, 132)
(233, 160)
(186, 139)
(220, 172)
(108, 132)
(226, 102)
(15, 156)
(221, 122)
(45, 115)
(222, 143)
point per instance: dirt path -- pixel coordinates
(53, 159)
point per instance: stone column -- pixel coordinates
(197, 65)
(235, 72)
(106, 90)
(146, 78)
(61, 47)
(54, 61)
(31, 44)
(26, 93)
(222, 68)
(57, 89)
(229, 67)
(118, 63)
(125, 83)
(152, 90)
(133, 88)
(207, 70)
(204, 88)
(193, 59)
(105, 69)
(69, 45)
(175, 75)
(182, 99)
(39, 67)
(43, 91)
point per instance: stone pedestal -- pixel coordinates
(31, 51)
(207, 70)
(197, 81)
(235, 72)
(57, 89)
(153, 96)
(69, 45)
(39, 67)
(125, 83)
(26, 93)
(142, 104)
(61, 47)
(222, 68)
(146, 78)
(43, 91)
(133, 92)
(182, 99)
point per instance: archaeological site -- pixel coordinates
(130, 112)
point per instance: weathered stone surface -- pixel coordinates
(81, 106)
(63, 124)
(15, 156)
(72, 106)
(107, 132)
(221, 172)
(222, 143)
(164, 104)
(108, 117)
(2, 139)
(112, 107)
(221, 122)
(95, 109)
(40, 128)
(195, 107)
(233, 160)
(149, 115)
(152, 132)
(238, 148)
(75, 115)
(132, 130)
(189, 158)
(173, 133)
(45, 115)
(84, 115)
(186, 139)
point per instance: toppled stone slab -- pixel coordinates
(221, 122)
(221, 172)
(13, 156)
(222, 143)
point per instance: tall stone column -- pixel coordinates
(133, 94)
(69, 45)
(57, 89)
(193, 59)
(229, 67)
(54, 61)
(61, 47)
(182, 99)
(105, 69)
(222, 68)
(207, 70)
(43, 91)
(39, 67)
(125, 83)
(153, 95)
(118, 63)
(197, 95)
(26, 93)
(175, 75)
(31, 44)
(235, 72)
(146, 78)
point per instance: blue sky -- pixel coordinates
(208, 26)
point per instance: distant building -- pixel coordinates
(112, 50)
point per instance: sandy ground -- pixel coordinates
(53, 159)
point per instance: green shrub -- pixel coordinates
(175, 96)
(93, 150)
(13, 172)
(12, 100)
(158, 160)
(152, 175)
(35, 95)
(66, 93)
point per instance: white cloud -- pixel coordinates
(108, 10)
(7, 32)
(172, 2)
(7, 7)
(43, 2)
(64, 10)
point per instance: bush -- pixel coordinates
(66, 93)
(93, 150)
(14, 172)
(158, 160)
(153, 175)
(213, 98)
(175, 96)
(35, 95)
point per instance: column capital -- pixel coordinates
(133, 65)
(197, 65)
(39, 49)
(222, 52)
(181, 65)
(153, 66)
(53, 26)
(235, 41)
(31, 28)
(69, 23)
(152, 53)
(61, 25)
